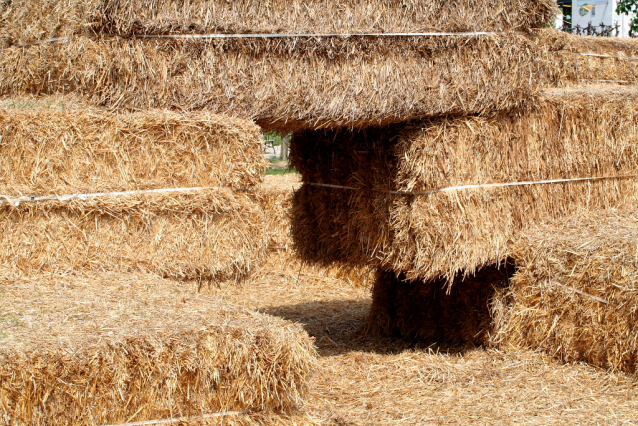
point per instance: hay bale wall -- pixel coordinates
(574, 294)
(433, 312)
(212, 236)
(308, 83)
(53, 151)
(116, 349)
(441, 234)
(25, 21)
(287, 84)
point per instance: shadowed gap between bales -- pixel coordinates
(438, 311)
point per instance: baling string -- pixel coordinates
(4, 199)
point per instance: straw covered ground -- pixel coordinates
(432, 235)
(288, 84)
(210, 235)
(118, 348)
(27, 21)
(574, 293)
(45, 149)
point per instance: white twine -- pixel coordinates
(582, 293)
(231, 36)
(181, 419)
(15, 202)
(213, 36)
(486, 185)
(608, 81)
(50, 40)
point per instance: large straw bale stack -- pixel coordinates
(27, 21)
(574, 292)
(213, 235)
(576, 133)
(432, 312)
(114, 349)
(49, 150)
(291, 83)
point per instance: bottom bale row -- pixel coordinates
(570, 290)
(123, 348)
(118, 348)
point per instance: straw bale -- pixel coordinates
(427, 312)
(25, 21)
(54, 150)
(569, 66)
(574, 293)
(212, 235)
(572, 133)
(288, 84)
(275, 198)
(115, 348)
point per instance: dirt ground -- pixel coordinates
(365, 380)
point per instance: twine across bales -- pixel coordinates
(26, 21)
(107, 350)
(211, 235)
(574, 293)
(570, 66)
(572, 133)
(53, 151)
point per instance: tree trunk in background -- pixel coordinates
(285, 143)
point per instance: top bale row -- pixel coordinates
(27, 21)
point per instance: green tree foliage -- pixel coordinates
(630, 7)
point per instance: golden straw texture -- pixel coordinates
(52, 151)
(212, 235)
(574, 294)
(568, 65)
(288, 84)
(24, 21)
(564, 134)
(118, 348)
(310, 83)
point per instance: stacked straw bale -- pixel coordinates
(572, 63)
(50, 150)
(116, 349)
(574, 292)
(27, 21)
(316, 82)
(287, 83)
(212, 234)
(275, 197)
(292, 83)
(575, 133)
